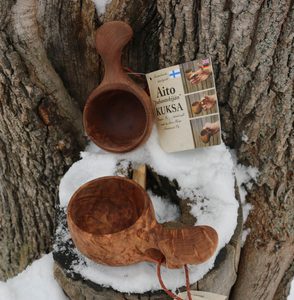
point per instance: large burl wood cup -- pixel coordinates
(112, 221)
(118, 114)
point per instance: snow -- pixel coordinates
(245, 233)
(244, 176)
(35, 282)
(291, 295)
(101, 6)
(164, 210)
(206, 178)
(90, 167)
(244, 137)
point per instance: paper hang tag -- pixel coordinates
(199, 295)
(185, 106)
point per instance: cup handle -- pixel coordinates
(111, 38)
(187, 245)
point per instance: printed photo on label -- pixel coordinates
(197, 75)
(206, 131)
(185, 106)
(202, 103)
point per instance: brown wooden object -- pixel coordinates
(112, 221)
(196, 107)
(140, 175)
(118, 114)
(205, 135)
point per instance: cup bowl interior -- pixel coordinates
(116, 120)
(107, 205)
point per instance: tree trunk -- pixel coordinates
(48, 65)
(40, 135)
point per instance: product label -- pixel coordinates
(186, 106)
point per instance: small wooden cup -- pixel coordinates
(196, 107)
(205, 135)
(112, 221)
(118, 114)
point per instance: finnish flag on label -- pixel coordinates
(175, 73)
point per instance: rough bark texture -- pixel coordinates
(48, 64)
(40, 135)
(283, 289)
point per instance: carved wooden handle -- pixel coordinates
(178, 243)
(111, 38)
(187, 245)
(139, 175)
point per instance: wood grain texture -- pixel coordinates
(112, 221)
(118, 115)
(140, 175)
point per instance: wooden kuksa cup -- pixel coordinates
(118, 114)
(205, 135)
(112, 221)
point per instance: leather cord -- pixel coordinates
(168, 292)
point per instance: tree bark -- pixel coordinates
(283, 289)
(48, 65)
(40, 137)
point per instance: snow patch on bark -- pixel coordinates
(244, 236)
(245, 177)
(101, 6)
